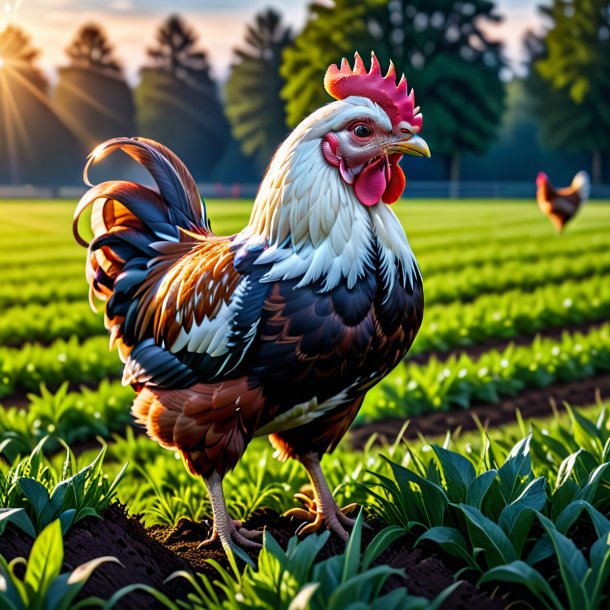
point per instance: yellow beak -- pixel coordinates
(414, 145)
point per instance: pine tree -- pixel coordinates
(91, 49)
(569, 81)
(253, 104)
(92, 94)
(177, 100)
(176, 52)
(440, 45)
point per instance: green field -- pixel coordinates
(511, 308)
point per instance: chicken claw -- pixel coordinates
(320, 510)
(334, 518)
(239, 535)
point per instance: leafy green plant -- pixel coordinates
(33, 494)
(584, 582)
(32, 364)
(293, 578)
(65, 415)
(460, 381)
(43, 587)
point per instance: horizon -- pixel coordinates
(131, 25)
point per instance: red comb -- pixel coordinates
(383, 90)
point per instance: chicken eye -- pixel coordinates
(362, 131)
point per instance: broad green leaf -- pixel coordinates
(18, 517)
(383, 540)
(516, 472)
(596, 583)
(362, 586)
(36, 494)
(520, 573)
(586, 433)
(488, 536)
(572, 512)
(352, 550)
(516, 518)
(589, 489)
(44, 563)
(451, 541)
(457, 471)
(431, 498)
(572, 564)
(479, 487)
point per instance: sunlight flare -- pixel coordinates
(8, 12)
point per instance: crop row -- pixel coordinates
(461, 381)
(513, 314)
(470, 282)
(70, 416)
(19, 288)
(49, 291)
(24, 274)
(409, 391)
(446, 325)
(526, 252)
(466, 238)
(27, 367)
(48, 322)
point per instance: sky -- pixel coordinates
(220, 24)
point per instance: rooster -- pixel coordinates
(561, 205)
(278, 330)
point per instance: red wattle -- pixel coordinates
(396, 186)
(371, 183)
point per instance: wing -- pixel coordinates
(332, 345)
(194, 316)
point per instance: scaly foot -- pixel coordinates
(239, 535)
(317, 517)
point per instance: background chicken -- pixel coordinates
(281, 329)
(561, 205)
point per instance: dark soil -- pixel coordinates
(426, 575)
(531, 403)
(144, 559)
(149, 557)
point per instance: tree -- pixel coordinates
(175, 52)
(177, 100)
(440, 45)
(35, 144)
(253, 104)
(569, 78)
(90, 49)
(92, 94)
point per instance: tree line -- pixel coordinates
(229, 133)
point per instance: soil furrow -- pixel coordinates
(531, 403)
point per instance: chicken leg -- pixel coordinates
(227, 530)
(322, 509)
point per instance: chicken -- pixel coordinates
(278, 330)
(561, 205)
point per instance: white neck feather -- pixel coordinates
(314, 225)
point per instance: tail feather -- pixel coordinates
(582, 184)
(174, 181)
(130, 222)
